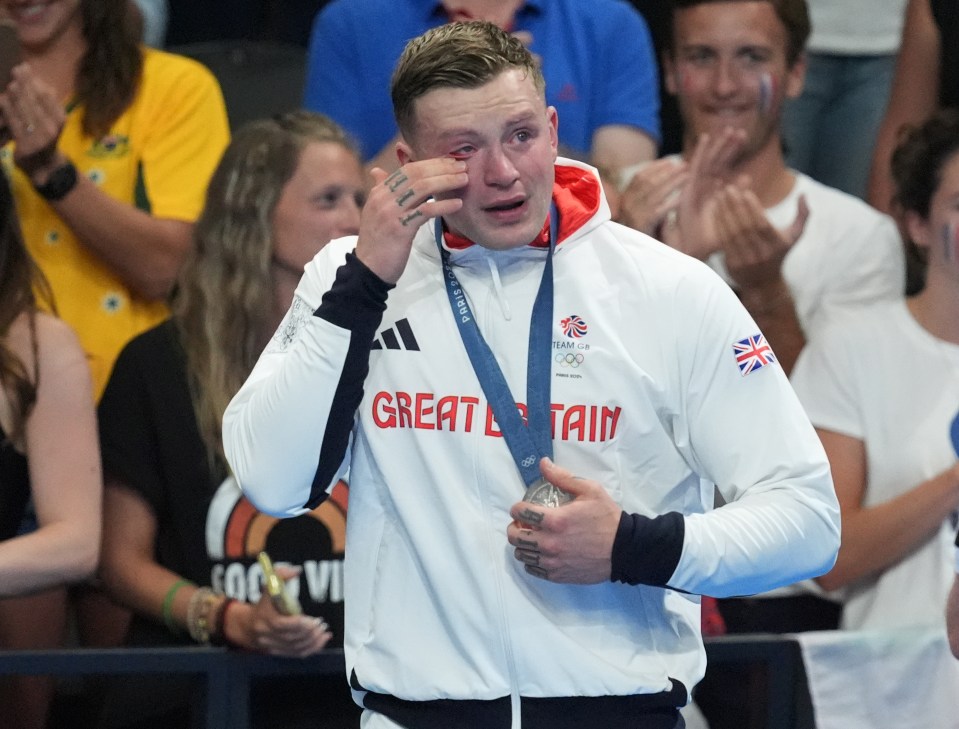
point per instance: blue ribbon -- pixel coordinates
(527, 442)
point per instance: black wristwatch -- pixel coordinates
(59, 183)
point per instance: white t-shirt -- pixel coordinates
(849, 252)
(875, 374)
(856, 27)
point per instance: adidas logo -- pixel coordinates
(398, 336)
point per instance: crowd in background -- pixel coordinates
(151, 242)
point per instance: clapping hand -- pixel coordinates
(34, 119)
(754, 248)
(693, 230)
(652, 194)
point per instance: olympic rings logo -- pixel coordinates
(569, 360)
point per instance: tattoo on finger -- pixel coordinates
(537, 571)
(524, 555)
(531, 517)
(526, 543)
(394, 181)
(404, 197)
(411, 217)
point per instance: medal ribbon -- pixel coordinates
(527, 442)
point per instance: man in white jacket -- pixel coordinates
(488, 319)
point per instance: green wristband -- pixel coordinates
(168, 618)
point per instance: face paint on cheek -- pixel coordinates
(952, 243)
(767, 92)
(954, 434)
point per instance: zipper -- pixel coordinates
(498, 294)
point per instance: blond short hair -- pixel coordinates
(456, 55)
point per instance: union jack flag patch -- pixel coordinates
(753, 353)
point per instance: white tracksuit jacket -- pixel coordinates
(649, 401)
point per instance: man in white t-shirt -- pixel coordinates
(789, 246)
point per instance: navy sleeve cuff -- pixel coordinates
(355, 302)
(357, 299)
(646, 551)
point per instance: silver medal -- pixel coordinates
(543, 493)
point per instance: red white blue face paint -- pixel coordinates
(767, 92)
(950, 242)
(954, 434)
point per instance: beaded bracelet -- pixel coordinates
(199, 614)
(167, 610)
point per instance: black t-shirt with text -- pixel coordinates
(207, 531)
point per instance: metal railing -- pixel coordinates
(227, 675)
